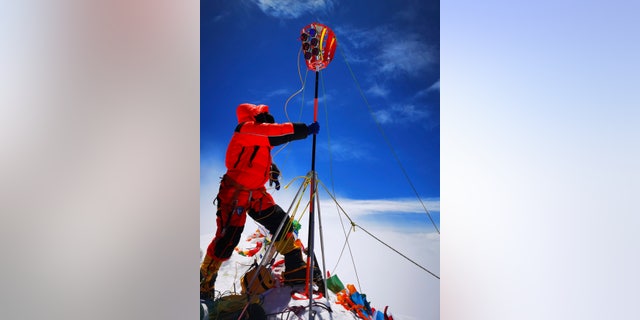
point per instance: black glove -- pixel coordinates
(313, 128)
(274, 174)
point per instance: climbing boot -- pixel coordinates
(295, 269)
(208, 274)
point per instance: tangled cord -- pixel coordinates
(297, 311)
(286, 103)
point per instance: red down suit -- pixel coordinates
(242, 189)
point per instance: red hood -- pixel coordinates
(247, 111)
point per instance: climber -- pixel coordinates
(242, 191)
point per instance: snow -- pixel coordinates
(386, 278)
(278, 302)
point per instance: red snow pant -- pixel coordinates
(234, 202)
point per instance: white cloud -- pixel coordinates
(401, 114)
(393, 52)
(278, 92)
(383, 116)
(378, 90)
(435, 86)
(381, 206)
(221, 16)
(361, 38)
(289, 9)
(408, 55)
(347, 149)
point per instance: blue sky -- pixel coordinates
(249, 53)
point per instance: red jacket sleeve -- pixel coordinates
(266, 129)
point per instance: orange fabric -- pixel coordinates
(248, 157)
(343, 298)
